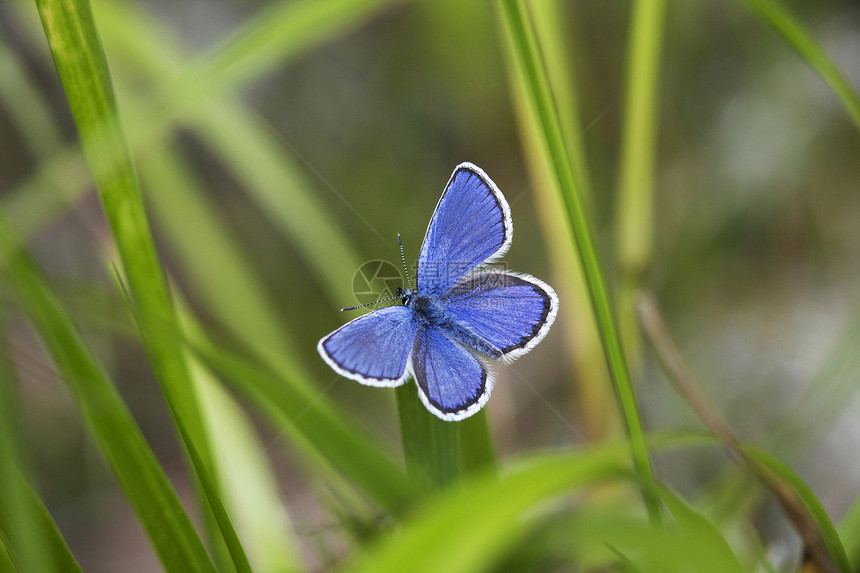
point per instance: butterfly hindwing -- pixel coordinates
(470, 226)
(452, 382)
(509, 310)
(373, 349)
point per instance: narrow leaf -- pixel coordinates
(530, 72)
(113, 429)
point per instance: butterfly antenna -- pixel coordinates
(368, 304)
(403, 258)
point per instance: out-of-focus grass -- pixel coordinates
(531, 74)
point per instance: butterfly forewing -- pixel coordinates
(452, 382)
(511, 311)
(471, 225)
(373, 349)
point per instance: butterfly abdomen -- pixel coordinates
(432, 310)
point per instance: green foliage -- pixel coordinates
(533, 76)
(241, 238)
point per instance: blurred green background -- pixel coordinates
(271, 173)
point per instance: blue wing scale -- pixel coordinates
(470, 226)
(452, 382)
(373, 349)
(511, 311)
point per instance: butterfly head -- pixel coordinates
(406, 296)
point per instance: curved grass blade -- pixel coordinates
(20, 522)
(478, 523)
(713, 552)
(823, 546)
(849, 530)
(780, 20)
(803, 508)
(531, 74)
(113, 429)
(57, 553)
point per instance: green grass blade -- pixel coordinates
(530, 72)
(23, 102)
(849, 531)
(82, 68)
(313, 425)
(823, 546)
(248, 485)
(6, 563)
(217, 270)
(713, 552)
(634, 225)
(479, 523)
(281, 31)
(599, 536)
(80, 63)
(20, 522)
(780, 20)
(827, 547)
(477, 452)
(106, 416)
(262, 164)
(595, 400)
(430, 445)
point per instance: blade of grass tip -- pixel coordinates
(430, 445)
(776, 16)
(593, 391)
(824, 548)
(713, 551)
(634, 220)
(18, 516)
(530, 72)
(113, 429)
(605, 533)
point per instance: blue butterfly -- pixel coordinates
(459, 315)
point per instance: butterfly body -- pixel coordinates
(432, 312)
(461, 315)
